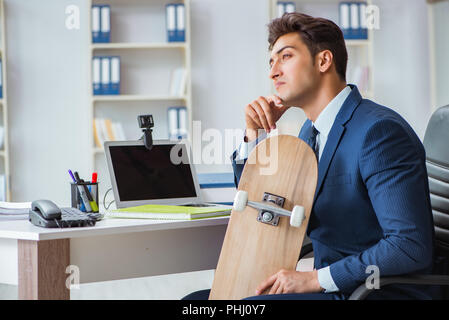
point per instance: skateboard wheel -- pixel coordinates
(297, 216)
(240, 200)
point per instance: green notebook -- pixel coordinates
(165, 212)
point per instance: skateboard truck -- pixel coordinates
(270, 209)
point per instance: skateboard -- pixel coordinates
(269, 218)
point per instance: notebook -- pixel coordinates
(166, 212)
(145, 181)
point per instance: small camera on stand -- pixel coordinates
(146, 123)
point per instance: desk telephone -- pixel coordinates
(44, 213)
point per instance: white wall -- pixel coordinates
(229, 63)
(48, 100)
(401, 61)
(47, 90)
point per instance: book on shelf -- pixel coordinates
(106, 75)
(177, 123)
(119, 133)
(115, 75)
(175, 22)
(167, 212)
(96, 75)
(107, 130)
(284, 7)
(178, 82)
(101, 23)
(180, 23)
(352, 20)
(105, 78)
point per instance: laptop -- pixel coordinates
(163, 175)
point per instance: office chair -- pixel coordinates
(436, 144)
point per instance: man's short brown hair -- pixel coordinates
(318, 34)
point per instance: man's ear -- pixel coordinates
(325, 60)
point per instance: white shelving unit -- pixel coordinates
(4, 151)
(96, 46)
(136, 97)
(360, 53)
(139, 37)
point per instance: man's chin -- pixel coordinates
(289, 100)
(286, 101)
(283, 97)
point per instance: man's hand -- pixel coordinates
(263, 113)
(286, 281)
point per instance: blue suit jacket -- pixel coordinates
(372, 204)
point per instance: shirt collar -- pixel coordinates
(326, 118)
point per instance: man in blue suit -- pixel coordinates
(372, 207)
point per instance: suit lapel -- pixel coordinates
(331, 145)
(305, 130)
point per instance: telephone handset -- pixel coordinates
(45, 213)
(47, 209)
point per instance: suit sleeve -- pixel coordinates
(392, 166)
(237, 167)
(239, 157)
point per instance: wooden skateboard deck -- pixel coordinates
(252, 251)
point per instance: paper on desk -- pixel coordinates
(8, 217)
(15, 205)
(14, 208)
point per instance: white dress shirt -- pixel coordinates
(323, 124)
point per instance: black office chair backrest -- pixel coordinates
(436, 144)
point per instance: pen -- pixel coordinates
(92, 202)
(94, 180)
(81, 203)
(84, 193)
(71, 174)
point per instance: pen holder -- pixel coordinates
(85, 196)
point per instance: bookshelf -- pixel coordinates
(4, 151)
(138, 36)
(360, 54)
(137, 97)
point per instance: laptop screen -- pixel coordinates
(143, 174)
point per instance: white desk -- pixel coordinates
(36, 258)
